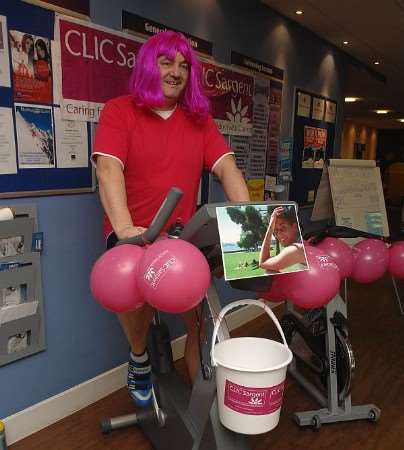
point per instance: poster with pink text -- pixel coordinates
(231, 95)
(104, 59)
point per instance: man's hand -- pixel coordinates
(129, 232)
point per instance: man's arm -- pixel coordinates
(231, 179)
(113, 197)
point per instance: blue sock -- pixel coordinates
(139, 379)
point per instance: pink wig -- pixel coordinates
(145, 81)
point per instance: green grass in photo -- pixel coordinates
(243, 264)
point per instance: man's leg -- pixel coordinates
(136, 326)
(192, 358)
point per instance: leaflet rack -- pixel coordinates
(22, 331)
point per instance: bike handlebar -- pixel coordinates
(342, 232)
(160, 219)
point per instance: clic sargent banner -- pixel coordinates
(104, 59)
(231, 96)
(96, 63)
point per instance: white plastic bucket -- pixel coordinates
(250, 377)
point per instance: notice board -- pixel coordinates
(351, 192)
(314, 123)
(39, 153)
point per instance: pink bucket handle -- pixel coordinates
(236, 304)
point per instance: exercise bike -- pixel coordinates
(324, 362)
(178, 414)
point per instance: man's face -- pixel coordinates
(174, 76)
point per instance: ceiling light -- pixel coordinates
(351, 99)
(376, 63)
(346, 42)
(299, 12)
(401, 120)
(382, 111)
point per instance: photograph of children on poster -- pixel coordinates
(31, 63)
(260, 240)
(314, 150)
(35, 137)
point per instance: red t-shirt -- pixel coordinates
(157, 154)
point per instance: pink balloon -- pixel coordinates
(396, 261)
(315, 287)
(113, 279)
(340, 252)
(275, 294)
(174, 275)
(370, 260)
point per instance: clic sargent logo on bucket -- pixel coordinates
(158, 268)
(253, 401)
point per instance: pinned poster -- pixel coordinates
(31, 62)
(4, 58)
(351, 191)
(8, 158)
(230, 92)
(330, 111)
(314, 147)
(303, 104)
(318, 108)
(255, 188)
(103, 57)
(71, 142)
(35, 136)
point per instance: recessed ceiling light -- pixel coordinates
(299, 12)
(351, 99)
(346, 42)
(382, 111)
(376, 63)
(401, 120)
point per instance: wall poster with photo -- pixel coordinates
(31, 66)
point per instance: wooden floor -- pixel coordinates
(377, 336)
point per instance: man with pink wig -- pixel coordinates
(159, 136)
